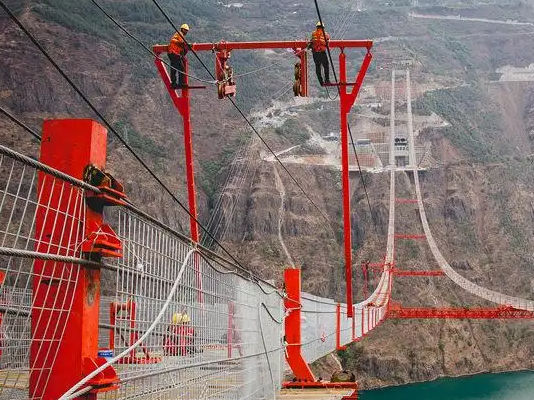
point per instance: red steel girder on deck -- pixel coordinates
(379, 267)
(407, 236)
(325, 385)
(396, 311)
(374, 266)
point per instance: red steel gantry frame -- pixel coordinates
(181, 100)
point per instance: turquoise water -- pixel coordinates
(505, 386)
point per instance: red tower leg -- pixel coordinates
(298, 365)
(66, 297)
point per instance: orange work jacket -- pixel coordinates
(317, 40)
(177, 45)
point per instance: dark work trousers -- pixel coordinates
(321, 59)
(177, 64)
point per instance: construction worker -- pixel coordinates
(187, 337)
(177, 51)
(318, 43)
(180, 339)
(171, 341)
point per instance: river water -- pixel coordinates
(505, 386)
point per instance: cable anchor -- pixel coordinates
(100, 239)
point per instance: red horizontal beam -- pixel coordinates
(503, 312)
(404, 236)
(406, 201)
(296, 44)
(319, 385)
(400, 272)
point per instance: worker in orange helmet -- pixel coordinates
(318, 44)
(177, 50)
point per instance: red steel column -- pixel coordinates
(182, 104)
(57, 356)
(190, 170)
(344, 110)
(292, 304)
(191, 192)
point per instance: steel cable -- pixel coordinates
(101, 116)
(122, 28)
(243, 115)
(20, 123)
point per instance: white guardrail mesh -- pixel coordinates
(202, 330)
(59, 206)
(182, 323)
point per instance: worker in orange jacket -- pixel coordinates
(318, 43)
(177, 50)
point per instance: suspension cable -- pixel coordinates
(247, 155)
(20, 123)
(131, 36)
(348, 124)
(231, 100)
(111, 128)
